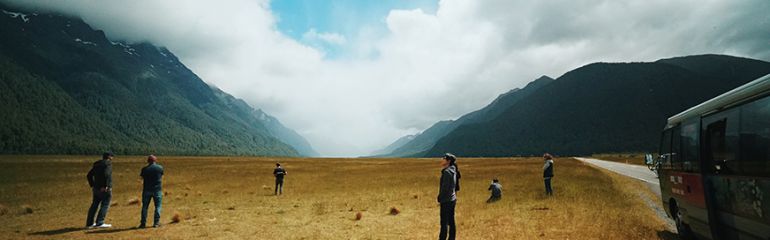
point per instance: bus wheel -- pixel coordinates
(684, 230)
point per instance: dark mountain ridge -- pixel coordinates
(602, 108)
(66, 88)
(428, 138)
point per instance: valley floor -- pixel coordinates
(231, 198)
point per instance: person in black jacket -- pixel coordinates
(100, 180)
(447, 196)
(152, 174)
(548, 173)
(279, 173)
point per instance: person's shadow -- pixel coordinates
(112, 230)
(57, 231)
(668, 235)
(75, 229)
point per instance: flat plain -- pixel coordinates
(47, 197)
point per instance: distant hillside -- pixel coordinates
(602, 107)
(425, 140)
(272, 124)
(66, 88)
(393, 146)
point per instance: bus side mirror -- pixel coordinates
(648, 159)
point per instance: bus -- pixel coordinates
(714, 165)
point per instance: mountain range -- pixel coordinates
(68, 89)
(597, 108)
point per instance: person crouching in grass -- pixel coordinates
(152, 175)
(497, 191)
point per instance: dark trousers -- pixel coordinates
(100, 201)
(493, 199)
(278, 186)
(447, 220)
(157, 198)
(548, 189)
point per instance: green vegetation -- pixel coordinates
(66, 88)
(601, 107)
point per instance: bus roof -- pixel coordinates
(740, 94)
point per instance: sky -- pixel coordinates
(352, 76)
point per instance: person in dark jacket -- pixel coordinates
(497, 191)
(279, 173)
(152, 190)
(548, 173)
(447, 196)
(100, 180)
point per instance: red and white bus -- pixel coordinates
(714, 165)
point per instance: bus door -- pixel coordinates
(719, 155)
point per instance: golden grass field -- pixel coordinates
(231, 198)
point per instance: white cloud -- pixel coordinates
(428, 67)
(331, 38)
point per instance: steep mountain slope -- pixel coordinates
(425, 140)
(66, 88)
(602, 107)
(272, 124)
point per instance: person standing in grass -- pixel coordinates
(279, 173)
(152, 174)
(497, 191)
(100, 180)
(447, 196)
(548, 173)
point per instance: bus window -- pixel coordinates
(755, 138)
(665, 149)
(720, 143)
(676, 148)
(690, 146)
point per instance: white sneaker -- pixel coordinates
(104, 225)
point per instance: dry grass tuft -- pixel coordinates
(26, 209)
(3, 210)
(359, 215)
(394, 211)
(319, 208)
(177, 218)
(133, 201)
(113, 204)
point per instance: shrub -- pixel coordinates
(26, 209)
(3, 210)
(177, 218)
(133, 201)
(394, 211)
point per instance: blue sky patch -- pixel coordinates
(333, 26)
